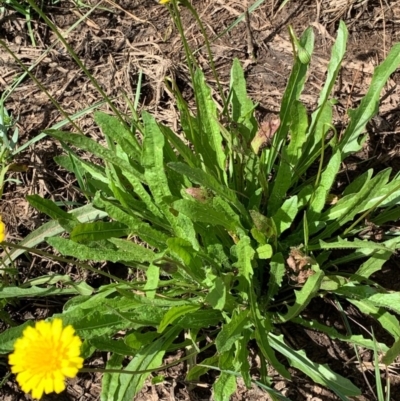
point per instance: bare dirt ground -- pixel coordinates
(118, 41)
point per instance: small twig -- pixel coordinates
(384, 30)
(250, 41)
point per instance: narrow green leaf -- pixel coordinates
(153, 278)
(175, 313)
(358, 340)
(262, 328)
(392, 353)
(34, 291)
(378, 258)
(245, 254)
(153, 161)
(196, 371)
(97, 231)
(292, 93)
(184, 151)
(232, 331)
(96, 149)
(277, 273)
(304, 296)
(110, 383)
(290, 156)
(8, 337)
(109, 345)
(320, 374)
(369, 104)
(53, 228)
(389, 322)
(200, 319)
(355, 244)
(210, 136)
(242, 105)
(115, 129)
(322, 191)
(224, 387)
(284, 217)
(390, 301)
(48, 207)
(147, 358)
(198, 176)
(205, 213)
(322, 116)
(83, 252)
(136, 225)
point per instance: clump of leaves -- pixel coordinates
(232, 230)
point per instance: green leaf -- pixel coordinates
(333, 334)
(136, 225)
(245, 254)
(184, 250)
(262, 328)
(210, 140)
(369, 104)
(97, 231)
(232, 331)
(327, 179)
(8, 337)
(109, 383)
(205, 213)
(147, 358)
(378, 258)
(264, 251)
(83, 252)
(153, 160)
(242, 105)
(136, 340)
(198, 176)
(292, 93)
(153, 278)
(48, 207)
(89, 145)
(392, 353)
(284, 217)
(349, 206)
(224, 387)
(390, 300)
(216, 296)
(320, 374)
(200, 319)
(304, 296)
(277, 273)
(109, 345)
(34, 291)
(389, 322)
(355, 244)
(196, 371)
(114, 128)
(290, 156)
(175, 313)
(322, 116)
(188, 156)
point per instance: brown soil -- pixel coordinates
(119, 41)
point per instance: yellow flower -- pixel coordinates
(44, 356)
(3, 231)
(164, 1)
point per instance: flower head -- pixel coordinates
(164, 1)
(44, 356)
(3, 231)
